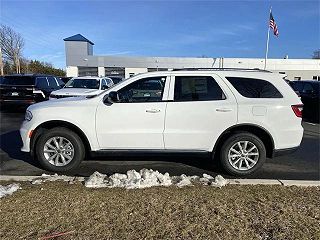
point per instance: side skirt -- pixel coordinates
(150, 152)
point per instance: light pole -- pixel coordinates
(1, 63)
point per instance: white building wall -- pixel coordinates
(134, 71)
(101, 72)
(72, 71)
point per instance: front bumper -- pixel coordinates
(24, 133)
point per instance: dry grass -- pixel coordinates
(200, 212)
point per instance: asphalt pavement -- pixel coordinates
(304, 164)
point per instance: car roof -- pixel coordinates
(306, 81)
(87, 77)
(29, 75)
(252, 73)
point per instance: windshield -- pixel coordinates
(18, 80)
(83, 83)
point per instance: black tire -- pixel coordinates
(79, 150)
(233, 139)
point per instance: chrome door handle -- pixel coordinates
(223, 109)
(153, 110)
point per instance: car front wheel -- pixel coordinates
(242, 154)
(59, 150)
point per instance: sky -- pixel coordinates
(165, 28)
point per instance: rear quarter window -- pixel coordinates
(254, 88)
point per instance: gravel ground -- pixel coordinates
(198, 212)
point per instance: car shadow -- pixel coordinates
(11, 142)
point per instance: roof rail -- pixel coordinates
(222, 69)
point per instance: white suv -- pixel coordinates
(82, 86)
(240, 117)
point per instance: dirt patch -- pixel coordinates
(199, 212)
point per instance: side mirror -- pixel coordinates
(113, 97)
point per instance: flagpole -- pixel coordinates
(267, 45)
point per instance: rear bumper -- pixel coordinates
(285, 151)
(17, 101)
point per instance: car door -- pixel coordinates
(202, 107)
(137, 120)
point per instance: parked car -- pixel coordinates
(239, 117)
(27, 88)
(116, 79)
(309, 92)
(82, 86)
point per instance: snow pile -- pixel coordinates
(51, 178)
(133, 179)
(218, 181)
(96, 180)
(9, 189)
(146, 178)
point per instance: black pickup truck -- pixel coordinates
(27, 88)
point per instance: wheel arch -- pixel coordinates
(57, 123)
(259, 131)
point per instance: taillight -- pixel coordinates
(297, 109)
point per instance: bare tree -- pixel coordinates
(11, 44)
(316, 54)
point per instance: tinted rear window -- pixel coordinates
(18, 80)
(254, 88)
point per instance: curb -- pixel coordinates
(300, 183)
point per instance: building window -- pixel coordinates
(88, 71)
(157, 69)
(297, 78)
(115, 71)
(316, 78)
(131, 74)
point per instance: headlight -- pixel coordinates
(28, 116)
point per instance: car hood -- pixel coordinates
(76, 91)
(72, 102)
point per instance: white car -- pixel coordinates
(239, 117)
(82, 86)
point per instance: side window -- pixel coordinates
(197, 88)
(60, 82)
(103, 83)
(52, 82)
(297, 86)
(42, 82)
(307, 88)
(143, 90)
(108, 82)
(254, 88)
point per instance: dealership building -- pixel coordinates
(80, 61)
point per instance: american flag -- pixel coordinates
(273, 25)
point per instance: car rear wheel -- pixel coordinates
(242, 154)
(59, 150)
